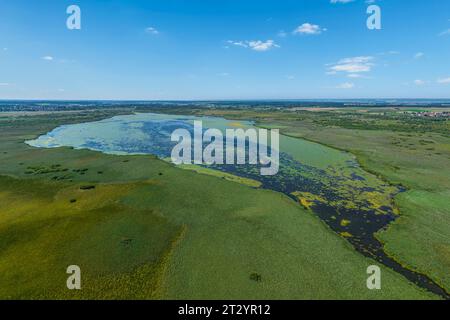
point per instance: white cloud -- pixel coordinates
(309, 29)
(256, 45)
(419, 55)
(346, 85)
(238, 43)
(341, 1)
(263, 46)
(48, 58)
(419, 82)
(443, 81)
(4, 84)
(352, 65)
(151, 30)
(393, 52)
(223, 74)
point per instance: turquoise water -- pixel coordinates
(131, 134)
(148, 133)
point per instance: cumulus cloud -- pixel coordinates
(419, 82)
(256, 45)
(352, 66)
(309, 29)
(47, 58)
(151, 30)
(419, 55)
(238, 43)
(341, 1)
(263, 45)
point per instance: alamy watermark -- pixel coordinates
(374, 20)
(238, 147)
(374, 279)
(73, 22)
(74, 280)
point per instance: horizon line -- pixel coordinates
(219, 100)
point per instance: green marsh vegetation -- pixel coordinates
(144, 229)
(400, 148)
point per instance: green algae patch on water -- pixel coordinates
(307, 199)
(343, 183)
(346, 234)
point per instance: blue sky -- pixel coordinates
(224, 49)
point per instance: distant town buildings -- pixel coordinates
(430, 114)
